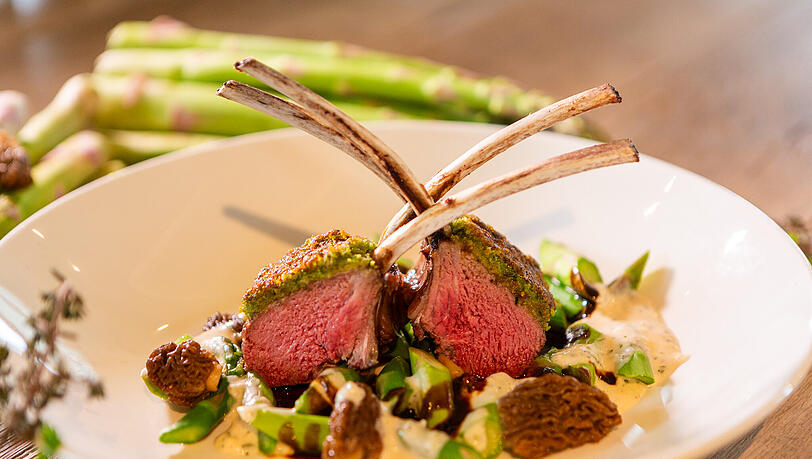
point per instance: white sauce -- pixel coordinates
(407, 438)
(496, 385)
(628, 323)
(352, 393)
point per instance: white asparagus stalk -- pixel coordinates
(499, 141)
(298, 117)
(466, 201)
(389, 162)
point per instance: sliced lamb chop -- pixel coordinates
(324, 301)
(318, 305)
(484, 302)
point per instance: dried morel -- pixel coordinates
(352, 426)
(218, 318)
(15, 170)
(185, 372)
(551, 413)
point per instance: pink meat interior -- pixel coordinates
(473, 320)
(329, 321)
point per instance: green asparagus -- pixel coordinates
(319, 396)
(482, 430)
(631, 277)
(433, 399)
(568, 301)
(638, 367)
(71, 164)
(305, 433)
(437, 86)
(584, 372)
(201, 419)
(559, 261)
(391, 383)
(68, 113)
(135, 146)
(154, 104)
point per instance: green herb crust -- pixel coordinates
(320, 257)
(512, 269)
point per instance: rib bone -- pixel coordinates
(466, 201)
(505, 138)
(298, 117)
(390, 163)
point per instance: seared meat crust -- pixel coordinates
(321, 256)
(511, 267)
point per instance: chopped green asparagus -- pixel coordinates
(559, 261)
(584, 372)
(458, 450)
(201, 419)
(432, 397)
(566, 297)
(319, 396)
(305, 433)
(630, 279)
(638, 367)
(482, 430)
(390, 385)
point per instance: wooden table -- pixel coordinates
(718, 87)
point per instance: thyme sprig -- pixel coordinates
(26, 389)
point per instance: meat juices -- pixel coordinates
(318, 305)
(482, 301)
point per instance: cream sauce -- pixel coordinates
(407, 438)
(628, 323)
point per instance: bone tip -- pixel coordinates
(230, 84)
(635, 153)
(616, 95)
(244, 62)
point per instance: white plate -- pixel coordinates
(158, 247)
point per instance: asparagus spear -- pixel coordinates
(638, 367)
(433, 399)
(557, 260)
(305, 433)
(482, 430)
(201, 419)
(135, 146)
(153, 104)
(68, 113)
(388, 79)
(319, 396)
(631, 277)
(68, 166)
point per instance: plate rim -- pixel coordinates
(705, 448)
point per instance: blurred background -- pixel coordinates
(721, 88)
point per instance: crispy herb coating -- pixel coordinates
(320, 257)
(551, 413)
(512, 269)
(183, 371)
(15, 169)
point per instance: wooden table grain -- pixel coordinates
(721, 87)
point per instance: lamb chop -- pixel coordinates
(327, 301)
